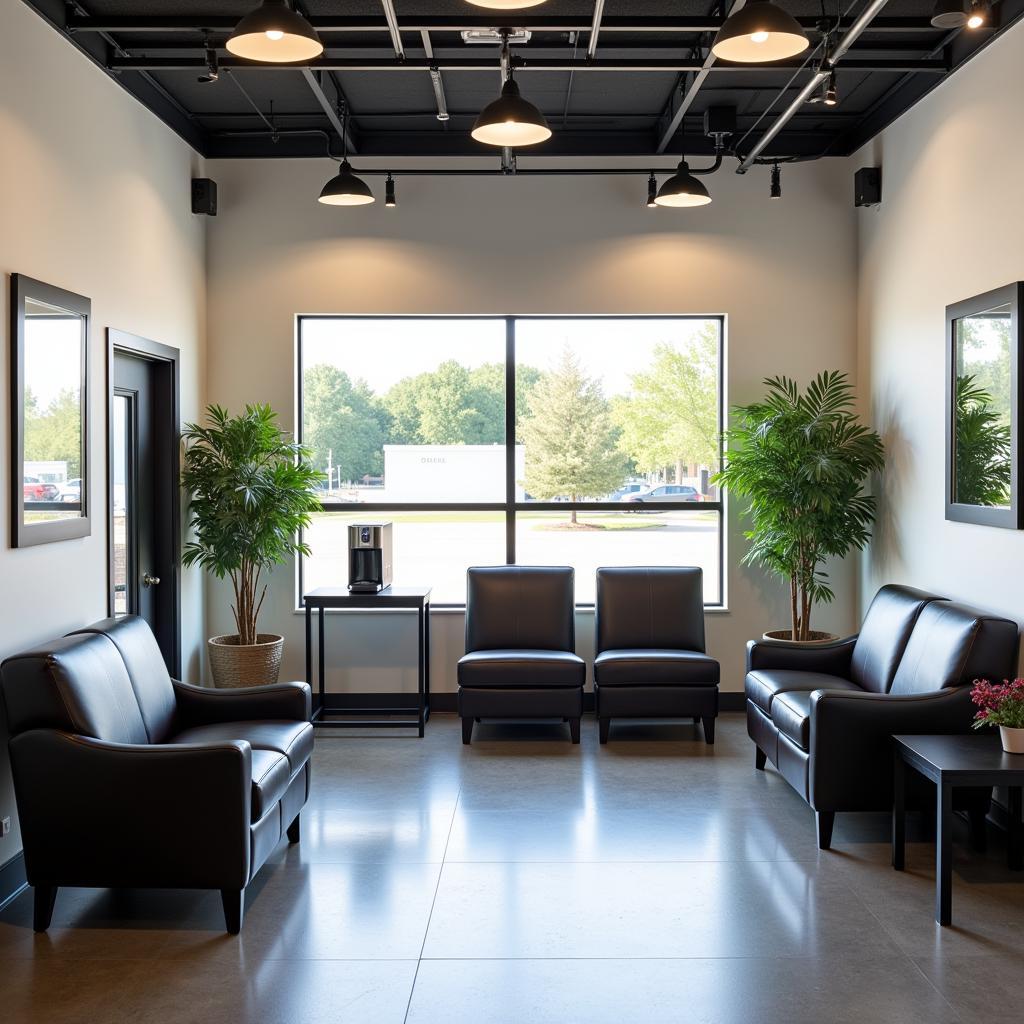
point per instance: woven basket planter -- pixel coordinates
(235, 664)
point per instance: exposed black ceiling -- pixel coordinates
(620, 97)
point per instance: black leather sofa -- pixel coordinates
(650, 658)
(520, 660)
(127, 778)
(824, 716)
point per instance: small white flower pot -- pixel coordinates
(1013, 739)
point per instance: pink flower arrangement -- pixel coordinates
(999, 703)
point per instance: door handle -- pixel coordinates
(150, 581)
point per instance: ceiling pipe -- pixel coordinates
(392, 19)
(436, 82)
(595, 29)
(849, 38)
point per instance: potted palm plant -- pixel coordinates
(251, 489)
(800, 459)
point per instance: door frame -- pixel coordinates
(167, 478)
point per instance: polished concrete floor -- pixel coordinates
(526, 880)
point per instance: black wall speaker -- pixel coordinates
(204, 196)
(867, 186)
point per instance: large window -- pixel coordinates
(582, 441)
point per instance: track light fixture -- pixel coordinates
(682, 189)
(389, 192)
(949, 14)
(510, 121)
(979, 13)
(273, 33)
(759, 33)
(212, 67)
(776, 189)
(652, 192)
(831, 94)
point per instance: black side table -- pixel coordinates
(413, 598)
(951, 761)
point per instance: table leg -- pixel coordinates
(899, 812)
(426, 657)
(309, 653)
(943, 853)
(1014, 824)
(421, 615)
(320, 663)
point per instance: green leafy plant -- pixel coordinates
(982, 447)
(800, 460)
(251, 489)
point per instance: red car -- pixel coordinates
(35, 489)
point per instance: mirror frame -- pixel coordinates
(23, 535)
(1011, 518)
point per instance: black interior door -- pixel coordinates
(144, 495)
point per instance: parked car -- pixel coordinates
(35, 489)
(623, 493)
(71, 491)
(665, 492)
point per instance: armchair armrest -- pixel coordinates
(832, 659)
(95, 813)
(851, 740)
(201, 705)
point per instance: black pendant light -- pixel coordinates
(345, 189)
(949, 14)
(759, 33)
(273, 33)
(506, 5)
(682, 189)
(510, 121)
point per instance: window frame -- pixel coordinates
(510, 507)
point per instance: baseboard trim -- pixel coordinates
(445, 703)
(12, 880)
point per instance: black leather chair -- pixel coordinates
(824, 716)
(650, 659)
(127, 778)
(520, 637)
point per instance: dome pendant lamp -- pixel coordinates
(506, 5)
(759, 33)
(345, 189)
(682, 189)
(273, 33)
(510, 120)
(949, 14)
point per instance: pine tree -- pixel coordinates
(569, 437)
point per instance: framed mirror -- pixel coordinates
(983, 409)
(49, 413)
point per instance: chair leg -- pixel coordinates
(709, 729)
(293, 830)
(825, 820)
(574, 729)
(44, 897)
(467, 730)
(604, 726)
(760, 758)
(234, 909)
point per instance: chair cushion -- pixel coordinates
(763, 685)
(521, 669)
(791, 713)
(647, 667)
(293, 739)
(270, 774)
(883, 635)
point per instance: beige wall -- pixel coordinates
(94, 198)
(950, 226)
(782, 271)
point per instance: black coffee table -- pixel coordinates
(952, 761)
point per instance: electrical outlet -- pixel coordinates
(5, 827)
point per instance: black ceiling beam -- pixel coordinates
(520, 64)
(534, 22)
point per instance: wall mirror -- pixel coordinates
(983, 408)
(49, 420)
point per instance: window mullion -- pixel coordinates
(510, 440)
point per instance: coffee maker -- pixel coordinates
(369, 557)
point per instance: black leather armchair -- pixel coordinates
(650, 658)
(126, 778)
(824, 716)
(520, 638)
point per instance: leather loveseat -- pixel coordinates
(825, 715)
(127, 778)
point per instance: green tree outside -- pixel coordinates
(54, 434)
